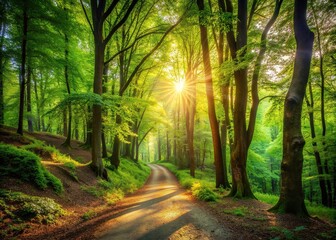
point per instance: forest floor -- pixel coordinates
(181, 217)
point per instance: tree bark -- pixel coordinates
(190, 117)
(115, 158)
(240, 183)
(97, 17)
(291, 195)
(322, 111)
(2, 64)
(159, 146)
(168, 146)
(322, 182)
(225, 124)
(97, 162)
(22, 75)
(211, 103)
(67, 142)
(29, 108)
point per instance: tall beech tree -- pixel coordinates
(220, 181)
(291, 195)
(3, 59)
(99, 13)
(243, 133)
(115, 158)
(22, 75)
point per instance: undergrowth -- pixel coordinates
(17, 209)
(201, 187)
(26, 166)
(205, 180)
(327, 214)
(238, 211)
(50, 153)
(129, 177)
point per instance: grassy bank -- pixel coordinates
(129, 177)
(205, 180)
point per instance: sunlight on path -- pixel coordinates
(161, 210)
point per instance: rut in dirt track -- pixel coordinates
(161, 210)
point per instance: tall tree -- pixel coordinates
(125, 83)
(22, 75)
(243, 134)
(210, 97)
(3, 26)
(99, 13)
(291, 195)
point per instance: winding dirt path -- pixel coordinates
(161, 210)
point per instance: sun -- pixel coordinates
(179, 86)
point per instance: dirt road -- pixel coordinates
(161, 210)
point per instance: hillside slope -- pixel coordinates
(83, 195)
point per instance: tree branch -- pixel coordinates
(121, 22)
(130, 46)
(124, 87)
(110, 9)
(145, 136)
(256, 71)
(86, 16)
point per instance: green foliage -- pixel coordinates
(238, 211)
(89, 215)
(20, 206)
(17, 209)
(203, 193)
(267, 198)
(327, 214)
(201, 187)
(129, 177)
(26, 166)
(287, 233)
(51, 153)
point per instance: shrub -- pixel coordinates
(26, 166)
(21, 206)
(239, 211)
(89, 215)
(203, 193)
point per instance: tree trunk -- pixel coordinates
(323, 120)
(97, 162)
(2, 67)
(29, 108)
(240, 183)
(115, 158)
(291, 194)
(168, 146)
(211, 104)
(22, 79)
(104, 89)
(67, 123)
(225, 124)
(190, 116)
(88, 137)
(159, 146)
(322, 183)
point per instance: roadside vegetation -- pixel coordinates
(128, 178)
(18, 209)
(26, 162)
(203, 188)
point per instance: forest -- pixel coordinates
(242, 90)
